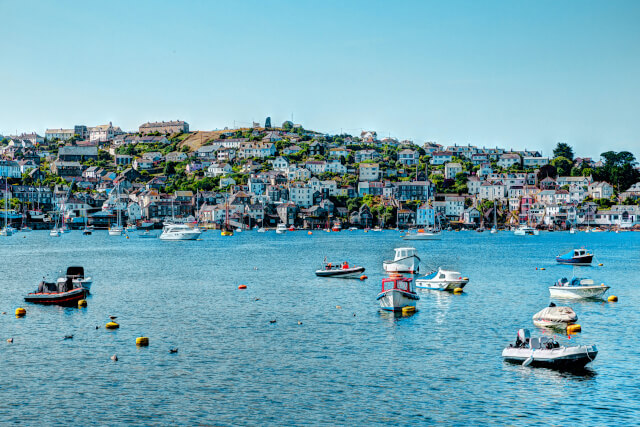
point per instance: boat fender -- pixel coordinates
(338, 307)
(363, 277)
(457, 291)
(142, 341)
(466, 279)
(600, 265)
(20, 312)
(612, 298)
(242, 287)
(82, 303)
(112, 325)
(573, 328)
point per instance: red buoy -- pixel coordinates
(242, 287)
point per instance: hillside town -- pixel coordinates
(267, 175)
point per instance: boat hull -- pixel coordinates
(180, 236)
(409, 265)
(440, 285)
(396, 300)
(423, 236)
(556, 358)
(70, 298)
(577, 292)
(346, 273)
(580, 260)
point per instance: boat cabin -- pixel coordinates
(402, 253)
(75, 272)
(398, 282)
(580, 253)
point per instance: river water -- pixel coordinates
(346, 366)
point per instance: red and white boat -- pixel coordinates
(64, 292)
(397, 293)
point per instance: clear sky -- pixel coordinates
(508, 73)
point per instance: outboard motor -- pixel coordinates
(523, 337)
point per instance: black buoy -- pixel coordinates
(273, 321)
(173, 350)
(68, 337)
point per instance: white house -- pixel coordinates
(280, 164)
(369, 171)
(600, 190)
(441, 157)
(218, 169)
(408, 157)
(534, 162)
(451, 170)
(508, 159)
(301, 194)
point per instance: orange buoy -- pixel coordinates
(242, 287)
(363, 277)
(309, 233)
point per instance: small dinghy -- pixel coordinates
(577, 288)
(423, 234)
(576, 257)
(406, 260)
(555, 317)
(65, 292)
(546, 352)
(397, 293)
(442, 280)
(343, 270)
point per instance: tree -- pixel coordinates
(563, 150)
(547, 170)
(563, 165)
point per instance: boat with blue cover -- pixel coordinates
(442, 280)
(576, 257)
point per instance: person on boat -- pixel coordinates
(345, 265)
(522, 339)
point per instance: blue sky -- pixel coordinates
(513, 74)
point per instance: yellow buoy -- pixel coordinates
(338, 307)
(600, 265)
(457, 291)
(112, 325)
(82, 303)
(20, 312)
(466, 279)
(571, 329)
(142, 341)
(541, 268)
(408, 309)
(612, 298)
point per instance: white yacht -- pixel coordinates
(173, 231)
(423, 234)
(577, 288)
(406, 260)
(281, 228)
(525, 230)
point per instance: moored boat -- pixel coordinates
(343, 270)
(555, 317)
(423, 234)
(525, 230)
(406, 260)
(576, 257)
(397, 293)
(66, 291)
(442, 280)
(577, 288)
(281, 228)
(546, 352)
(176, 231)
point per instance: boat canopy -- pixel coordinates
(405, 252)
(399, 282)
(75, 271)
(557, 314)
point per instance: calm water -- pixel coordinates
(353, 365)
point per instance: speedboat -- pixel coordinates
(377, 228)
(292, 228)
(406, 260)
(423, 234)
(173, 231)
(442, 280)
(281, 228)
(26, 229)
(343, 270)
(337, 226)
(54, 233)
(546, 352)
(577, 288)
(576, 257)
(397, 293)
(64, 292)
(555, 317)
(261, 230)
(572, 231)
(525, 230)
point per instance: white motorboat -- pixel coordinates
(406, 260)
(442, 280)
(115, 230)
(572, 231)
(147, 235)
(131, 227)
(341, 270)
(493, 230)
(422, 234)
(525, 230)
(546, 352)
(261, 230)
(238, 230)
(6, 231)
(577, 288)
(397, 293)
(173, 231)
(281, 228)
(555, 317)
